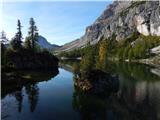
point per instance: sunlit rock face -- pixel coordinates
(141, 25)
(148, 23)
(122, 18)
(155, 22)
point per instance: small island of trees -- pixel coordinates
(25, 55)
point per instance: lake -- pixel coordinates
(56, 98)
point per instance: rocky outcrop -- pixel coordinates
(155, 50)
(121, 18)
(153, 61)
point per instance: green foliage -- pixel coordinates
(102, 54)
(136, 46)
(16, 42)
(27, 43)
(3, 54)
(140, 47)
(27, 59)
(88, 60)
(72, 54)
(131, 54)
(95, 57)
(120, 52)
(29, 56)
(31, 39)
(75, 68)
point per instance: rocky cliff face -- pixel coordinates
(121, 18)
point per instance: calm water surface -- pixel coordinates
(137, 98)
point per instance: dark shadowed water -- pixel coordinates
(137, 98)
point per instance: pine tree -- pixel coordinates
(27, 43)
(3, 41)
(16, 42)
(102, 54)
(3, 38)
(88, 60)
(32, 35)
(19, 33)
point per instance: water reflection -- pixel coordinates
(19, 98)
(35, 77)
(31, 89)
(138, 97)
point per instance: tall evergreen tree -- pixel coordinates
(88, 60)
(102, 54)
(32, 35)
(19, 33)
(16, 42)
(3, 41)
(3, 38)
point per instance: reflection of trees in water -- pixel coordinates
(89, 107)
(93, 106)
(32, 91)
(138, 97)
(129, 103)
(19, 97)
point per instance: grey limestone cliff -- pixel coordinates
(121, 18)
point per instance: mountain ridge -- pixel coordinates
(121, 18)
(43, 43)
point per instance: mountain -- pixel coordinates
(121, 18)
(43, 43)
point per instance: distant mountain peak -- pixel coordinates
(43, 43)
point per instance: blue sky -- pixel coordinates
(58, 22)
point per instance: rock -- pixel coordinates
(153, 61)
(156, 71)
(121, 18)
(155, 50)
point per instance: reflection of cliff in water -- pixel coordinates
(135, 100)
(139, 99)
(121, 106)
